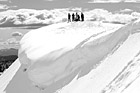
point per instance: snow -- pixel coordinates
(8, 75)
(134, 87)
(51, 36)
(59, 47)
(126, 77)
(97, 79)
(48, 51)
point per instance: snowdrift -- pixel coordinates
(60, 56)
(65, 57)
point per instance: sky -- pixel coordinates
(51, 4)
(40, 4)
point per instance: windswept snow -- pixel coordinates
(126, 77)
(98, 78)
(75, 58)
(59, 48)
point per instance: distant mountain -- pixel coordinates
(31, 18)
(7, 52)
(7, 57)
(6, 61)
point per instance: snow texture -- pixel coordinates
(76, 58)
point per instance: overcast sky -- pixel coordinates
(40, 4)
(51, 4)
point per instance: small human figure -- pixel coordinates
(82, 16)
(73, 17)
(76, 17)
(69, 17)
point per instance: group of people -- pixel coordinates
(74, 17)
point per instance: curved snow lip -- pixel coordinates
(81, 57)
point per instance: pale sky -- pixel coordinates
(51, 4)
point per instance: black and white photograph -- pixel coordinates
(69, 46)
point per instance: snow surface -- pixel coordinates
(98, 78)
(126, 80)
(8, 75)
(85, 47)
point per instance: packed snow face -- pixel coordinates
(57, 53)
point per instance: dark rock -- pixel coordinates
(7, 57)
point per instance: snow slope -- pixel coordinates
(98, 78)
(73, 66)
(8, 75)
(108, 77)
(61, 48)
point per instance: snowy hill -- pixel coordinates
(77, 58)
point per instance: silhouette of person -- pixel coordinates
(69, 17)
(73, 17)
(77, 17)
(82, 16)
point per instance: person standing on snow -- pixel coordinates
(82, 16)
(69, 17)
(77, 18)
(73, 17)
